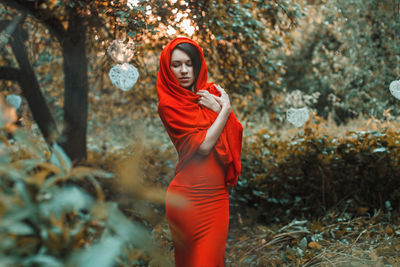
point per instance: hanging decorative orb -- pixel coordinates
(297, 116)
(123, 76)
(121, 52)
(394, 88)
(14, 100)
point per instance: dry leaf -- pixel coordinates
(389, 230)
(373, 255)
(314, 245)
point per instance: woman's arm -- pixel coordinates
(216, 128)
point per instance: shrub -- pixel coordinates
(313, 171)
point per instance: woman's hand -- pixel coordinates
(218, 125)
(206, 99)
(223, 100)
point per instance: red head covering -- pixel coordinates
(187, 122)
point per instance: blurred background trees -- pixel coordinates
(347, 51)
(260, 51)
(75, 25)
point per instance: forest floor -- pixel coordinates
(334, 240)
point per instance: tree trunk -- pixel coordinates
(73, 138)
(31, 88)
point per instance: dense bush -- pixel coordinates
(313, 172)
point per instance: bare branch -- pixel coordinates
(10, 28)
(53, 24)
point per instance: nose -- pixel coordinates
(184, 68)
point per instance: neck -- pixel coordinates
(191, 88)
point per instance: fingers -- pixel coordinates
(204, 95)
(217, 98)
(219, 88)
(202, 92)
(208, 101)
(205, 92)
(201, 100)
(206, 98)
(205, 103)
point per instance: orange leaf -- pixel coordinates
(314, 245)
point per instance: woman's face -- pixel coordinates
(182, 68)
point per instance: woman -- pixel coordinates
(207, 136)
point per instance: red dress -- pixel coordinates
(199, 228)
(199, 224)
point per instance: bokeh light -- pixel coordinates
(133, 3)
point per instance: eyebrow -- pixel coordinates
(179, 61)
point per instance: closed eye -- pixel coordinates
(176, 64)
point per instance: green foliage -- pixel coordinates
(313, 172)
(347, 50)
(237, 38)
(48, 218)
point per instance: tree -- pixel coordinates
(74, 24)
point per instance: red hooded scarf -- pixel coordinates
(187, 122)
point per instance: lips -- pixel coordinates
(184, 79)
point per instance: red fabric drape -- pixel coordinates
(187, 122)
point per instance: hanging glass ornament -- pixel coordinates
(297, 116)
(121, 52)
(14, 100)
(394, 88)
(123, 75)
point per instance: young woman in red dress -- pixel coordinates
(208, 138)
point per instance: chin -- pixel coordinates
(187, 86)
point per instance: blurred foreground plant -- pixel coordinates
(47, 218)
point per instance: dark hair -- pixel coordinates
(194, 55)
